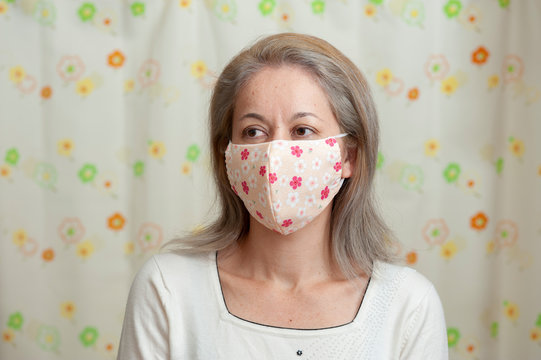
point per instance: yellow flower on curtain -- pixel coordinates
(8, 335)
(384, 77)
(17, 74)
(84, 86)
(284, 15)
(449, 85)
(185, 3)
(511, 310)
(20, 237)
(157, 149)
(516, 147)
(469, 347)
(85, 249)
(129, 247)
(186, 168)
(493, 81)
(535, 334)
(198, 69)
(448, 250)
(432, 147)
(129, 85)
(67, 309)
(5, 170)
(370, 10)
(64, 147)
(3, 7)
(491, 247)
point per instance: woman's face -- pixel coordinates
(284, 103)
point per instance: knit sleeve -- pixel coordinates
(145, 332)
(426, 335)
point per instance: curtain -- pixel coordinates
(104, 155)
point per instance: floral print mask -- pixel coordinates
(285, 184)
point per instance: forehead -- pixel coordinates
(285, 85)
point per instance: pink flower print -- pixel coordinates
(324, 193)
(292, 199)
(296, 151)
(330, 142)
(338, 166)
(287, 223)
(316, 164)
(236, 175)
(272, 178)
(295, 182)
(277, 206)
(301, 213)
(245, 187)
(263, 170)
(244, 154)
(259, 214)
(234, 190)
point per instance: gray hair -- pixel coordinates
(358, 234)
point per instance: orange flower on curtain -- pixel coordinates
(116, 221)
(116, 59)
(480, 56)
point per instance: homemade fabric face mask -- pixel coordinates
(285, 184)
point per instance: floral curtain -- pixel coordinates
(104, 157)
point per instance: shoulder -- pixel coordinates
(406, 285)
(166, 271)
(412, 310)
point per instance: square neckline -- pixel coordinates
(227, 316)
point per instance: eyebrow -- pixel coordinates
(296, 116)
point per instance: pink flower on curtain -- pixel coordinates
(150, 236)
(513, 68)
(70, 68)
(71, 230)
(436, 67)
(149, 72)
(506, 233)
(28, 84)
(435, 231)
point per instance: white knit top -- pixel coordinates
(176, 310)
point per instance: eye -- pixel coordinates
(303, 131)
(252, 132)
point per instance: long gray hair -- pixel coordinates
(358, 235)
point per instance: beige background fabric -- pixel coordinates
(104, 156)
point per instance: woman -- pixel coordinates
(298, 264)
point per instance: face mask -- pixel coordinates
(285, 184)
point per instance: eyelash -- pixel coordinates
(311, 131)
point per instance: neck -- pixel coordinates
(290, 261)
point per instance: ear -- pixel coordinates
(349, 162)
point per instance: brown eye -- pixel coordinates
(303, 131)
(251, 132)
